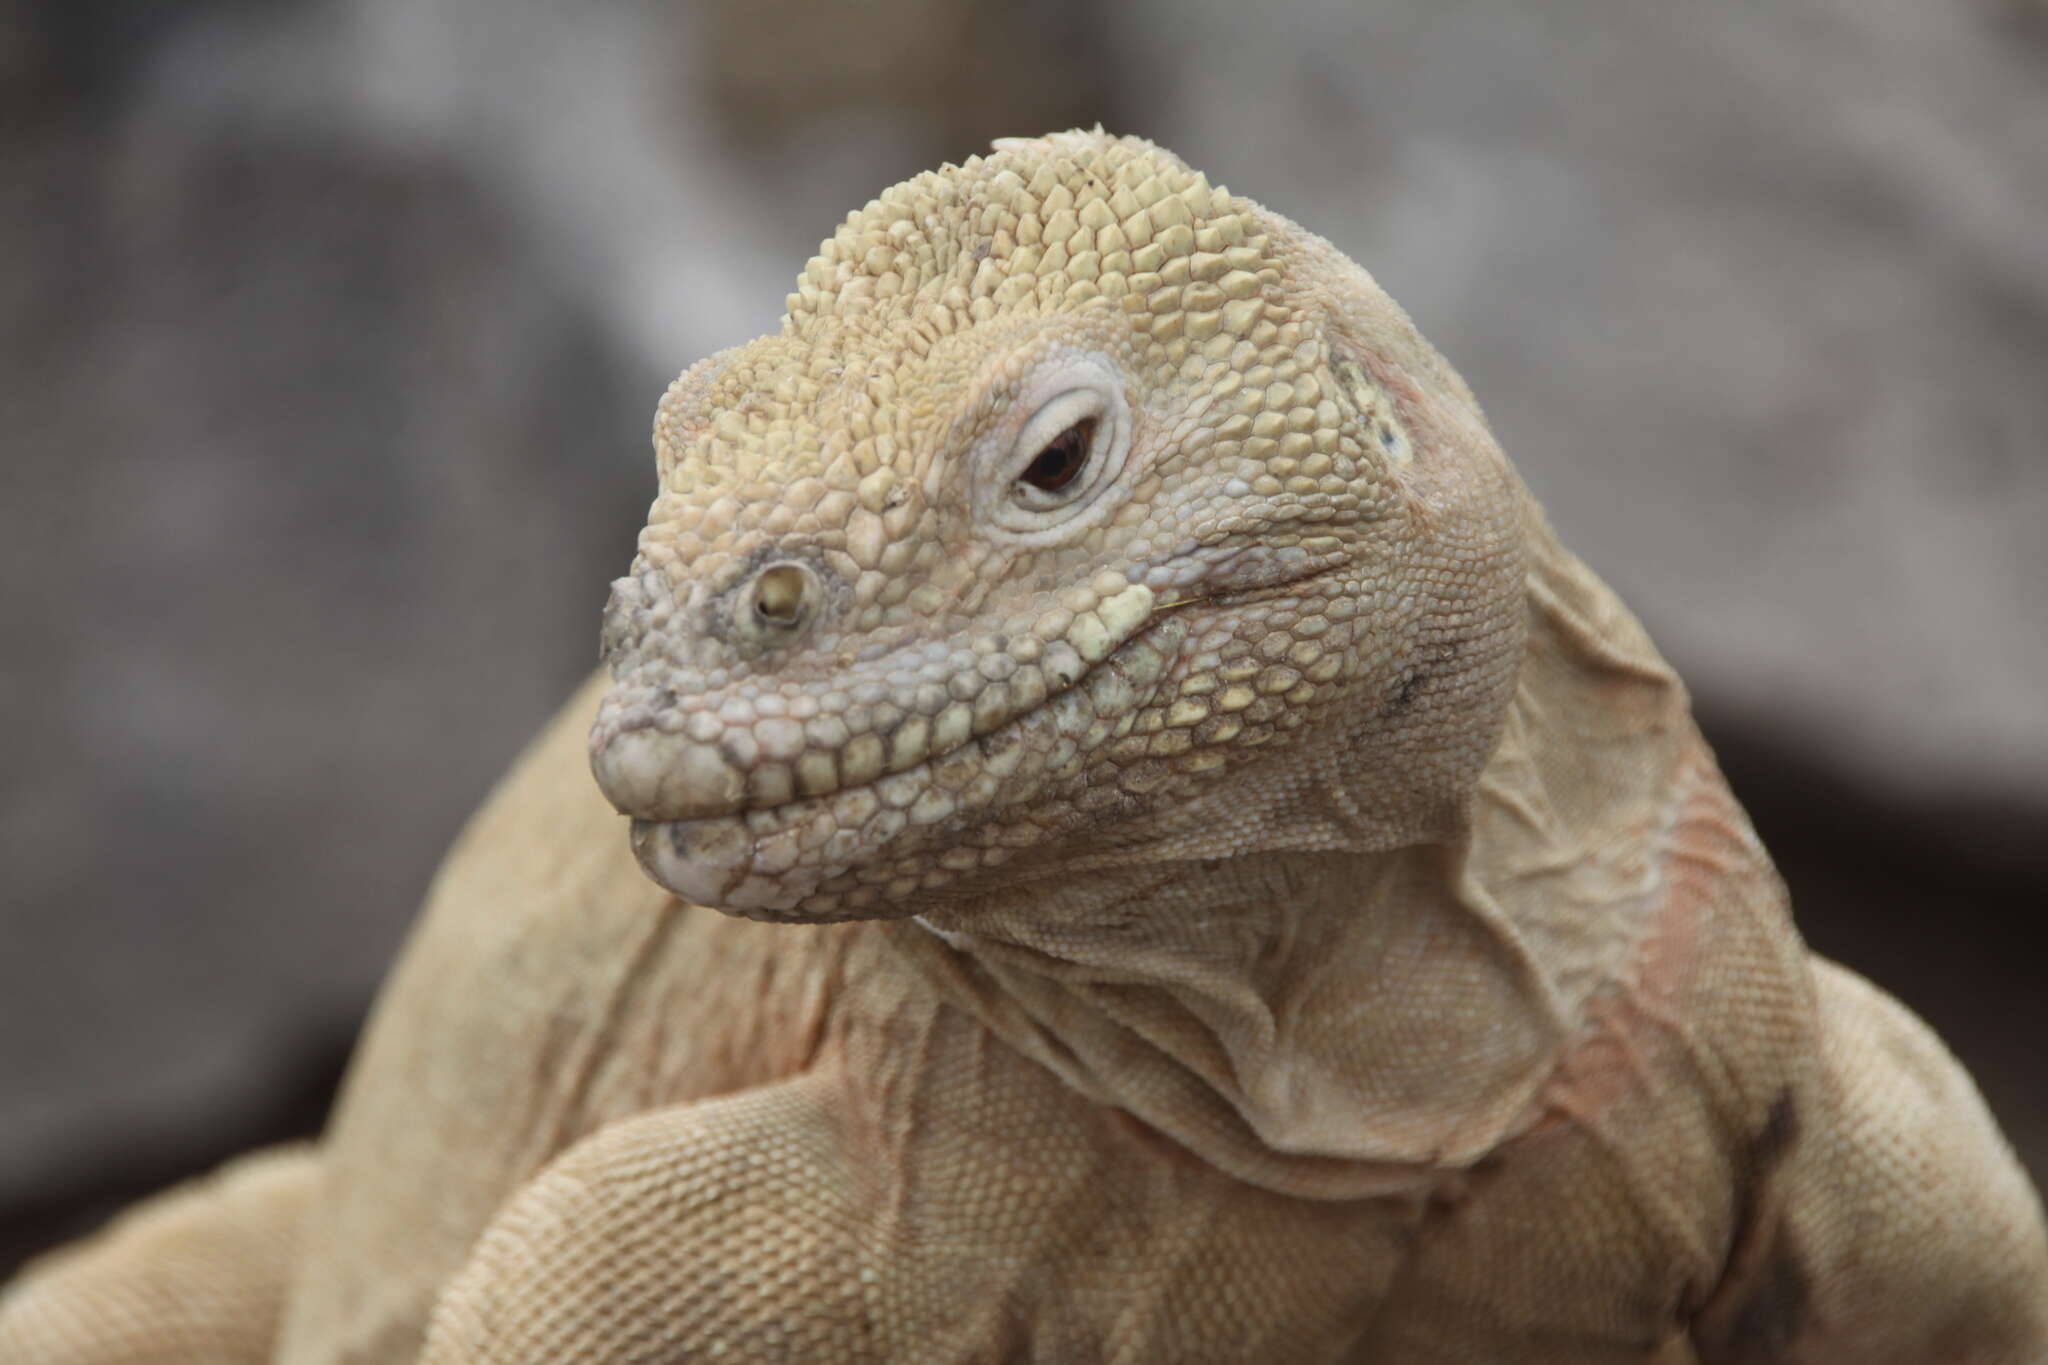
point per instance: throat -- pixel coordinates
(1330, 1025)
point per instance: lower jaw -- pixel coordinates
(770, 864)
(711, 863)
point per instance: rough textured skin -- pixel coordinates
(1280, 908)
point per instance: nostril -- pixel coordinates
(782, 595)
(770, 606)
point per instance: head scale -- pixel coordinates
(1071, 486)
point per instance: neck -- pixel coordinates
(1329, 1018)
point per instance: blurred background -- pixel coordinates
(331, 331)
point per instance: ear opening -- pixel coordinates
(1377, 416)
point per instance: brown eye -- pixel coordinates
(1057, 465)
(1059, 468)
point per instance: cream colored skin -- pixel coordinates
(1281, 909)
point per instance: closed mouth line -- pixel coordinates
(672, 775)
(911, 774)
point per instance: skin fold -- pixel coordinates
(1208, 877)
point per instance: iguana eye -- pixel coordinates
(1060, 462)
(1057, 470)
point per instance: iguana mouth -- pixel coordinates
(663, 758)
(751, 809)
(764, 860)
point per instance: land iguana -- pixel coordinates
(1208, 877)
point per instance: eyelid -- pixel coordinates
(1069, 388)
(1063, 411)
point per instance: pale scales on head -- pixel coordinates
(1042, 226)
(1258, 455)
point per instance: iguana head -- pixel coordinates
(1072, 495)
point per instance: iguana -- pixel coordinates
(1209, 878)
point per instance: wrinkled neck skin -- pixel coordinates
(1330, 1019)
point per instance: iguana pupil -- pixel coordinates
(1056, 466)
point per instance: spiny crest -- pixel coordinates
(1041, 224)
